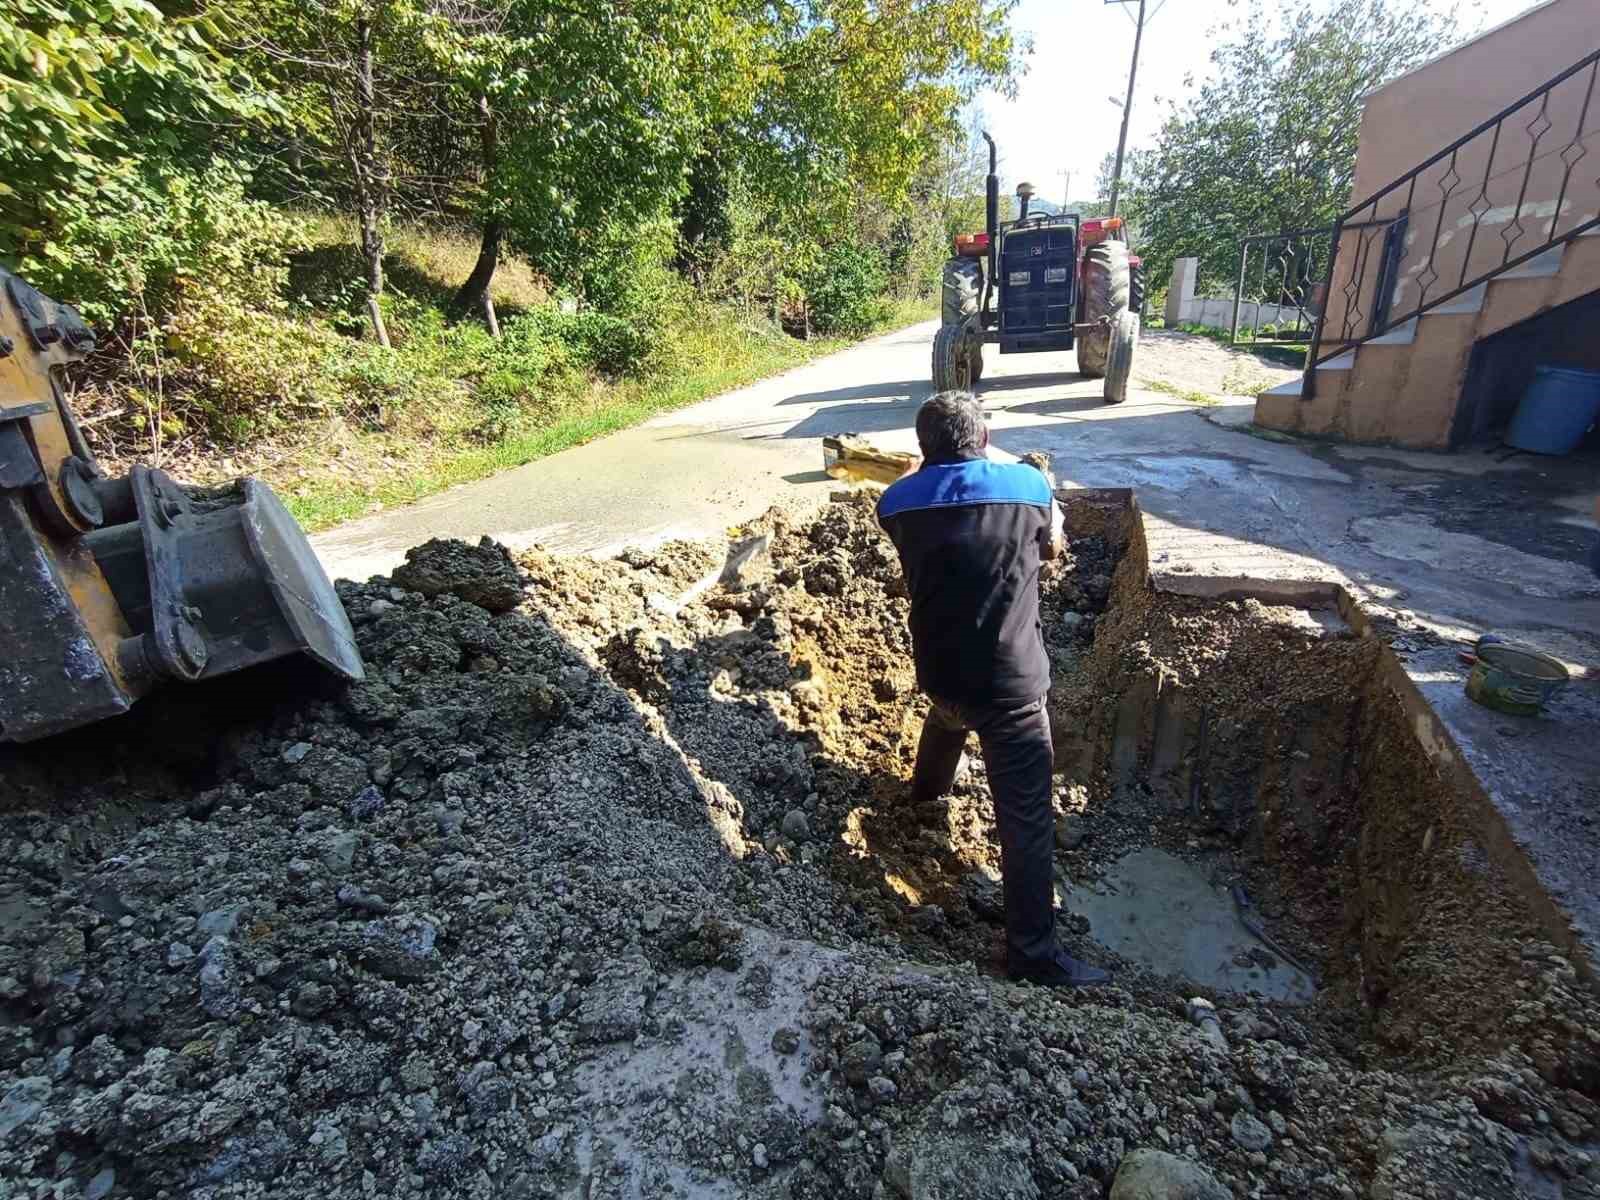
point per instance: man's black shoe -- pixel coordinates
(1062, 971)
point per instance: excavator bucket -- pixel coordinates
(110, 587)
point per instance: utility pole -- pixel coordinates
(1127, 107)
(1066, 188)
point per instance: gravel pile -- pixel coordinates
(603, 885)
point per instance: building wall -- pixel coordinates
(1409, 118)
(1494, 198)
(1487, 210)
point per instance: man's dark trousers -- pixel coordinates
(1020, 759)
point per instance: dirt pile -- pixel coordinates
(618, 895)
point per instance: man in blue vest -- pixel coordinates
(971, 534)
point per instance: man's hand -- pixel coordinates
(1040, 462)
(1051, 539)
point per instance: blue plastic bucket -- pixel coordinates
(1558, 409)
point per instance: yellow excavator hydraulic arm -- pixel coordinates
(109, 587)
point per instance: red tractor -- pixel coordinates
(1042, 282)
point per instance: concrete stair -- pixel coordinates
(1404, 387)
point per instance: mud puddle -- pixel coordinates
(1162, 912)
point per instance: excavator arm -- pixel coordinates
(109, 587)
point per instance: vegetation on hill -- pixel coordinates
(657, 198)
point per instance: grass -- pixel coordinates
(1244, 378)
(427, 261)
(725, 357)
(1286, 354)
(1192, 395)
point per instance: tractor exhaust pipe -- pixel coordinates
(991, 196)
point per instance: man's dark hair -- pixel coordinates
(950, 424)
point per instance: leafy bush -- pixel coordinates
(188, 276)
(846, 290)
(522, 376)
(147, 245)
(627, 273)
(236, 373)
(921, 261)
(91, 93)
(595, 340)
(327, 280)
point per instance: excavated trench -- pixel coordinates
(607, 884)
(1270, 741)
(1244, 805)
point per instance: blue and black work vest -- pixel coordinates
(969, 534)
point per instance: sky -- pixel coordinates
(1062, 118)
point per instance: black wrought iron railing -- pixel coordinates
(1274, 297)
(1496, 198)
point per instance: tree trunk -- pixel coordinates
(369, 175)
(476, 288)
(702, 220)
(472, 292)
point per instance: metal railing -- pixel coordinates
(1279, 278)
(1478, 208)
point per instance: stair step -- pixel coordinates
(1470, 301)
(1289, 387)
(1402, 334)
(1540, 266)
(1339, 362)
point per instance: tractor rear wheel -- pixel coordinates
(1119, 357)
(1106, 286)
(962, 283)
(955, 348)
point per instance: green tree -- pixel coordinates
(846, 92)
(1268, 142)
(1102, 183)
(580, 119)
(92, 94)
(838, 103)
(952, 179)
(352, 74)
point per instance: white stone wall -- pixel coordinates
(1216, 312)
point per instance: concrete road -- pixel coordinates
(698, 470)
(686, 474)
(1463, 538)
